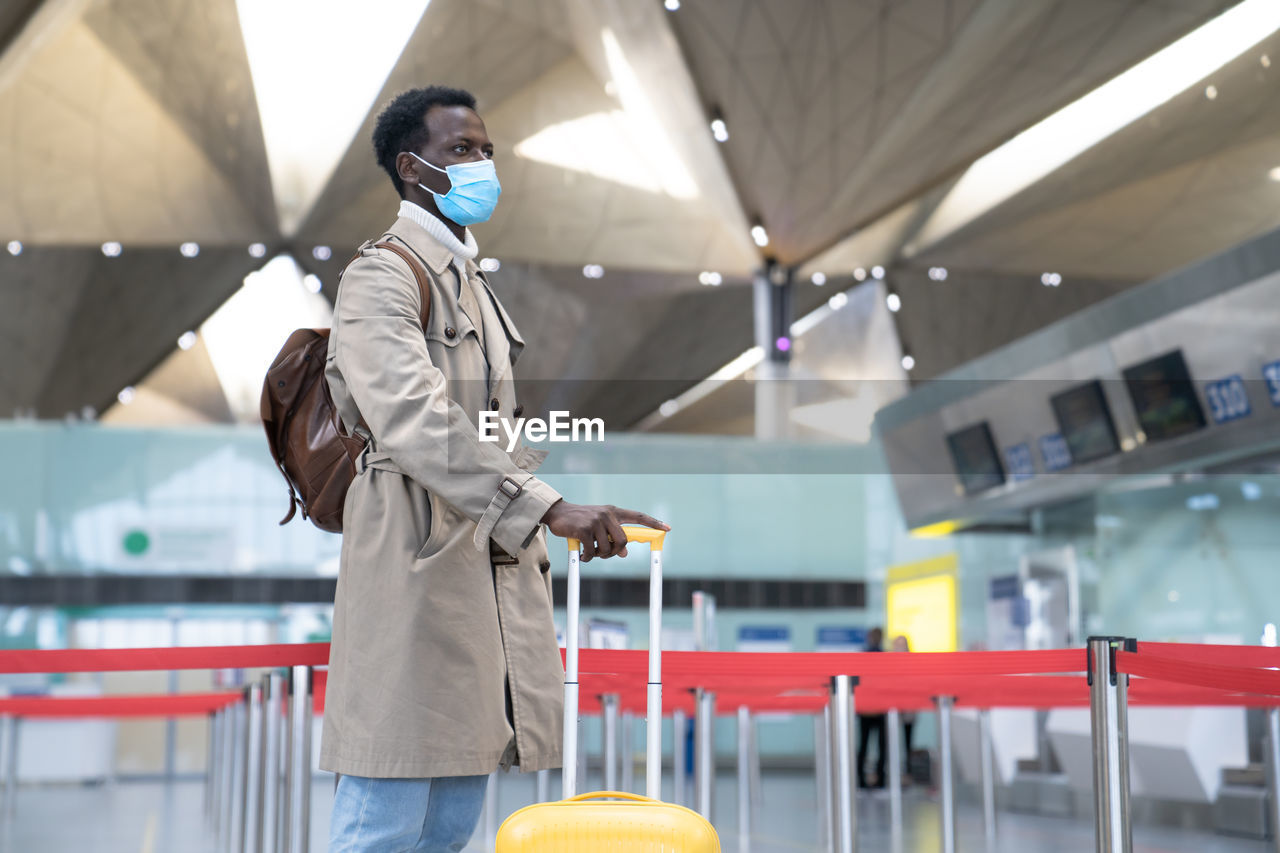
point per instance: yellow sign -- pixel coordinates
(921, 602)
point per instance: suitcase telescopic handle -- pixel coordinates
(649, 535)
(653, 721)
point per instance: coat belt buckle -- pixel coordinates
(499, 557)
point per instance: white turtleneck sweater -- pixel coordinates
(462, 252)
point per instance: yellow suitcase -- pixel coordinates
(611, 820)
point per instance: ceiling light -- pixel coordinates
(1274, 174)
(877, 272)
(257, 250)
(671, 5)
(719, 130)
(860, 274)
(112, 249)
(306, 129)
(938, 273)
(490, 264)
(322, 253)
(1051, 279)
(710, 278)
(1266, 61)
(1211, 92)
(908, 362)
(1203, 503)
(593, 271)
(669, 408)
(312, 283)
(126, 395)
(1077, 127)
(15, 248)
(893, 302)
(835, 303)
(189, 250)
(1250, 490)
(187, 340)
(759, 235)
(819, 278)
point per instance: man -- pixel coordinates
(444, 664)
(868, 723)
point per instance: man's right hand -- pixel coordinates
(598, 528)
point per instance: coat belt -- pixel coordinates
(383, 462)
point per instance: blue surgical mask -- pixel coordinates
(473, 192)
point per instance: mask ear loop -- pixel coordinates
(434, 194)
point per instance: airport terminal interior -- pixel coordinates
(947, 329)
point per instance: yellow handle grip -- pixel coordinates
(609, 795)
(635, 533)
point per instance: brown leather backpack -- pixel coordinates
(304, 431)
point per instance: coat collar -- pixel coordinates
(434, 253)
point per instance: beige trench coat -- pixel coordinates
(444, 660)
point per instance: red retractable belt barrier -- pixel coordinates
(152, 705)
(1247, 656)
(1167, 674)
(1240, 679)
(137, 660)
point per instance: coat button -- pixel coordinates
(450, 332)
(518, 411)
(493, 404)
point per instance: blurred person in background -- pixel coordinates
(867, 723)
(444, 664)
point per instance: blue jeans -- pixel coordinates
(391, 815)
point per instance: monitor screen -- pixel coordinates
(1164, 397)
(974, 453)
(1084, 419)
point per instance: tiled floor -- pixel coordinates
(155, 818)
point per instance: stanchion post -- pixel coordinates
(988, 779)
(893, 722)
(542, 786)
(271, 763)
(705, 753)
(744, 779)
(1273, 774)
(626, 754)
(822, 777)
(1109, 718)
(286, 766)
(679, 774)
(947, 785)
(234, 841)
(843, 808)
(252, 842)
(491, 811)
(753, 768)
(10, 745)
(228, 786)
(300, 760)
(215, 768)
(609, 741)
(211, 750)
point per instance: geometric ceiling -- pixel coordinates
(137, 121)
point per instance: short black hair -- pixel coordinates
(402, 124)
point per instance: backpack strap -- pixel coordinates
(424, 288)
(424, 292)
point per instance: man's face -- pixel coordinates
(454, 135)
